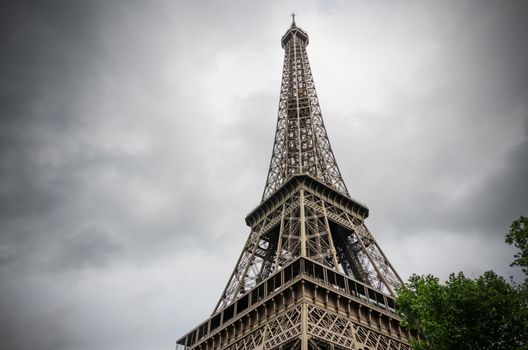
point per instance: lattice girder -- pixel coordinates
(307, 306)
(301, 143)
(304, 221)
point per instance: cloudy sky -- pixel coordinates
(135, 136)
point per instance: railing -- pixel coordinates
(343, 284)
(297, 269)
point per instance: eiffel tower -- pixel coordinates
(311, 275)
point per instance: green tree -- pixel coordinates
(486, 313)
(518, 236)
(483, 313)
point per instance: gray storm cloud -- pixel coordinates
(134, 138)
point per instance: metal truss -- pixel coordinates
(305, 301)
(310, 326)
(324, 330)
(329, 330)
(301, 142)
(305, 224)
(274, 334)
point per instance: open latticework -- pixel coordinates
(311, 275)
(301, 143)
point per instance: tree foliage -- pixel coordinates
(518, 236)
(463, 313)
(486, 313)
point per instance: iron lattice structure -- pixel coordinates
(311, 275)
(301, 142)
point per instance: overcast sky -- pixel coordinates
(135, 136)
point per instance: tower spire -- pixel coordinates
(293, 18)
(301, 143)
